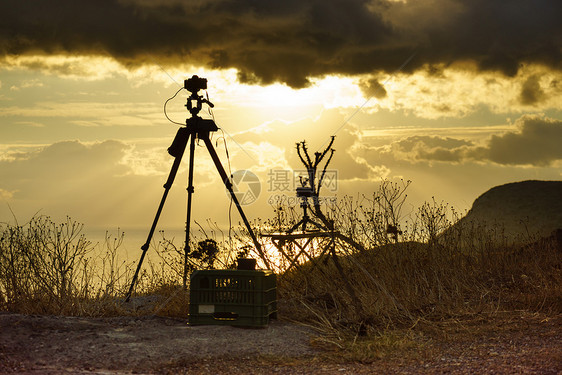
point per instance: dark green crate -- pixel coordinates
(232, 297)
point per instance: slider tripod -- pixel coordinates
(196, 128)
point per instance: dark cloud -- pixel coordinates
(422, 148)
(373, 88)
(531, 91)
(290, 40)
(536, 142)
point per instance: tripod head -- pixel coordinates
(195, 125)
(195, 101)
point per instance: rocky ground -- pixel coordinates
(514, 343)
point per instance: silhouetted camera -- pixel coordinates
(195, 84)
(304, 192)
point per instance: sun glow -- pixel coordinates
(328, 92)
(282, 102)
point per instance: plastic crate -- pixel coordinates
(232, 297)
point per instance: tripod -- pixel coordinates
(304, 193)
(196, 128)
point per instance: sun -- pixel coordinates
(279, 101)
(329, 92)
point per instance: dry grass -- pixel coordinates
(51, 268)
(437, 269)
(398, 285)
(433, 272)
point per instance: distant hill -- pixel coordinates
(533, 206)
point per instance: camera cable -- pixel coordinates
(165, 103)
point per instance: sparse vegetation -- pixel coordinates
(429, 269)
(437, 270)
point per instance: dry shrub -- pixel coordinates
(437, 269)
(433, 270)
(397, 285)
(51, 268)
(43, 266)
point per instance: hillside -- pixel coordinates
(533, 206)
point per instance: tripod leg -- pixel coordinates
(304, 217)
(228, 184)
(301, 222)
(181, 139)
(190, 190)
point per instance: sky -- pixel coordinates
(457, 96)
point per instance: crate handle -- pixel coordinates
(225, 316)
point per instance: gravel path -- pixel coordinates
(527, 344)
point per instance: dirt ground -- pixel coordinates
(522, 343)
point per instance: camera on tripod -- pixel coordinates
(195, 84)
(196, 128)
